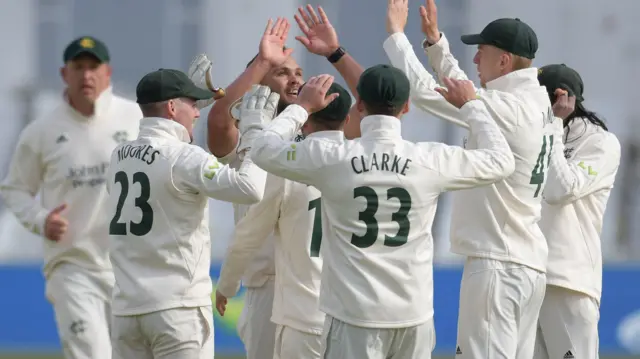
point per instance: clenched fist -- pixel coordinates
(55, 226)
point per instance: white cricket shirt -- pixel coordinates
(292, 211)
(500, 221)
(261, 267)
(159, 186)
(581, 177)
(64, 157)
(379, 196)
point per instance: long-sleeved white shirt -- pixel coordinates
(159, 187)
(581, 176)
(499, 221)
(64, 157)
(379, 196)
(292, 211)
(261, 267)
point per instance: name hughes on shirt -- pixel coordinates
(380, 162)
(144, 153)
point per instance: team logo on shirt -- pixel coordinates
(568, 151)
(78, 326)
(120, 136)
(91, 175)
(62, 138)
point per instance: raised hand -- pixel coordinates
(429, 21)
(397, 13)
(320, 37)
(458, 92)
(564, 105)
(313, 95)
(273, 41)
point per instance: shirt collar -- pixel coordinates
(380, 126)
(101, 105)
(515, 79)
(162, 127)
(331, 135)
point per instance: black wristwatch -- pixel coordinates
(336, 55)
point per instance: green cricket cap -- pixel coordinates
(511, 35)
(561, 76)
(86, 45)
(384, 85)
(338, 109)
(167, 84)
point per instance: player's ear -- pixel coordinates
(405, 107)
(63, 74)
(109, 69)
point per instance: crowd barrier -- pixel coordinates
(27, 322)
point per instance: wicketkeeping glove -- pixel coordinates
(258, 108)
(200, 73)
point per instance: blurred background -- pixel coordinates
(143, 35)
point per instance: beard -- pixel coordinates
(281, 106)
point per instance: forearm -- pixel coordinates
(25, 207)
(423, 85)
(442, 61)
(222, 134)
(350, 70)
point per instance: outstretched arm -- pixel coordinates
(222, 134)
(320, 38)
(436, 45)
(402, 56)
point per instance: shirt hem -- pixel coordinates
(566, 285)
(539, 267)
(379, 324)
(204, 302)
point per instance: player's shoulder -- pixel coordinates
(126, 107)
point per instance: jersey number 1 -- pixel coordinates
(144, 226)
(316, 232)
(537, 175)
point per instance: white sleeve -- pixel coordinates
(24, 180)
(592, 168)
(298, 161)
(423, 85)
(196, 171)
(490, 162)
(442, 61)
(231, 156)
(250, 233)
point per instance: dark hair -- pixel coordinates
(580, 111)
(326, 124)
(382, 109)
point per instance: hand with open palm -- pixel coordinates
(273, 40)
(320, 37)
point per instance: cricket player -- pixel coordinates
(581, 174)
(378, 199)
(159, 187)
(63, 157)
(293, 211)
(273, 67)
(495, 227)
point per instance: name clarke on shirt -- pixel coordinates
(360, 164)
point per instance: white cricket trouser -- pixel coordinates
(177, 333)
(255, 328)
(568, 325)
(499, 306)
(294, 344)
(81, 302)
(341, 340)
